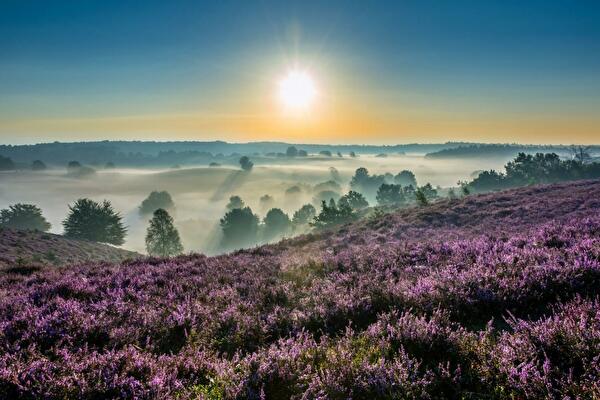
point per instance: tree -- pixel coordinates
(352, 154)
(6, 164)
(74, 165)
(214, 164)
(291, 151)
(332, 215)
(246, 164)
(235, 202)
(162, 238)
(96, 222)
(429, 191)
(109, 165)
(302, 153)
(421, 198)
(38, 165)
(156, 200)
(304, 215)
(277, 224)
(24, 216)
(355, 200)
(325, 153)
(390, 194)
(406, 178)
(366, 184)
(335, 174)
(240, 227)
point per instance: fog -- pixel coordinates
(201, 193)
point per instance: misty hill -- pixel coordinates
(507, 151)
(24, 248)
(142, 153)
(490, 296)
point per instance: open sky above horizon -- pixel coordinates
(384, 71)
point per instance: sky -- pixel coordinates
(384, 71)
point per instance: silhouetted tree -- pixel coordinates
(333, 214)
(355, 200)
(304, 215)
(429, 191)
(240, 228)
(24, 216)
(38, 165)
(109, 165)
(156, 200)
(277, 224)
(235, 202)
(366, 184)
(291, 151)
(335, 174)
(96, 222)
(246, 164)
(390, 194)
(352, 154)
(214, 164)
(266, 202)
(6, 164)
(406, 178)
(292, 190)
(162, 238)
(325, 153)
(302, 153)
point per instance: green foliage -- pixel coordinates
(155, 201)
(366, 184)
(24, 216)
(96, 222)
(304, 215)
(355, 200)
(246, 164)
(6, 164)
(291, 151)
(277, 224)
(333, 214)
(421, 198)
(235, 202)
(38, 165)
(429, 192)
(240, 228)
(406, 178)
(528, 169)
(390, 194)
(162, 238)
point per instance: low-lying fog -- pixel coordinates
(200, 194)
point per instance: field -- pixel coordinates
(487, 297)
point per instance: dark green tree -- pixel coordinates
(38, 165)
(156, 200)
(332, 215)
(390, 194)
(406, 178)
(276, 224)
(240, 228)
(162, 238)
(355, 200)
(235, 202)
(96, 222)
(24, 216)
(304, 215)
(421, 198)
(246, 164)
(291, 152)
(6, 164)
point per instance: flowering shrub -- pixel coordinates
(382, 308)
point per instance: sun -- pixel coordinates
(297, 91)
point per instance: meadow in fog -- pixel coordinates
(201, 193)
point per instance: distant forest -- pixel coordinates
(168, 154)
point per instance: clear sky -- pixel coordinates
(384, 71)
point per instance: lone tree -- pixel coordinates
(421, 198)
(390, 194)
(162, 238)
(38, 165)
(156, 200)
(6, 164)
(235, 202)
(277, 224)
(246, 164)
(96, 222)
(24, 216)
(304, 215)
(406, 178)
(240, 227)
(291, 152)
(355, 200)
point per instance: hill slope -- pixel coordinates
(492, 296)
(18, 248)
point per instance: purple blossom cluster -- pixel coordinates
(507, 312)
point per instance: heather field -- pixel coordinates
(488, 297)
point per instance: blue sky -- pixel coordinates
(68, 67)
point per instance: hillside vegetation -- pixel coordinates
(491, 296)
(21, 249)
